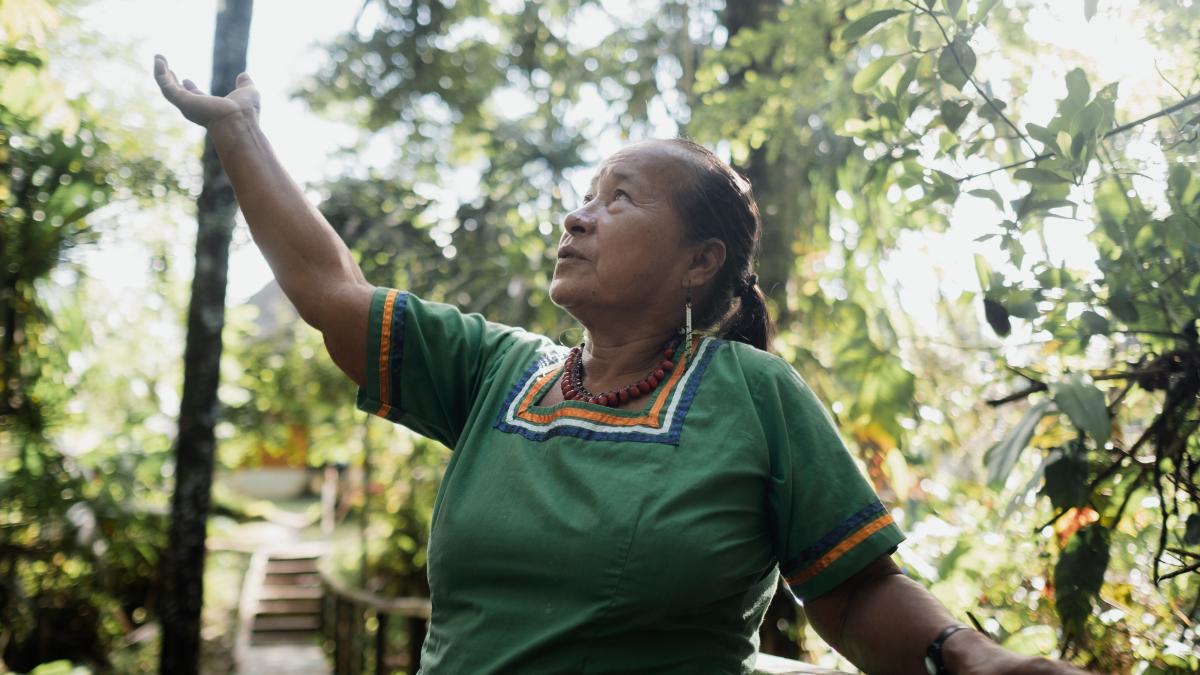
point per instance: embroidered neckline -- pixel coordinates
(660, 421)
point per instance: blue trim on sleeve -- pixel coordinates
(833, 537)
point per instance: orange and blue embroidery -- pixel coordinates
(837, 543)
(660, 422)
(385, 335)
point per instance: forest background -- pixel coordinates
(982, 248)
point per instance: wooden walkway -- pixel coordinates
(279, 617)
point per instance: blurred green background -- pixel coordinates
(979, 250)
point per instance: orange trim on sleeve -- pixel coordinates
(841, 549)
(385, 344)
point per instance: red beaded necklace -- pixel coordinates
(572, 387)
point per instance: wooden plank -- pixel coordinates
(295, 566)
(303, 606)
(312, 579)
(282, 638)
(293, 622)
(290, 593)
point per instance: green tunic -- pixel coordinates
(580, 539)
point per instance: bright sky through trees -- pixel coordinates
(284, 49)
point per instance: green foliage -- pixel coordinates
(861, 130)
(1084, 405)
(1066, 478)
(1002, 457)
(1138, 307)
(1078, 575)
(80, 533)
(863, 25)
(404, 485)
(854, 122)
(285, 403)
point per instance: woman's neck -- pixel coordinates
(609, 361)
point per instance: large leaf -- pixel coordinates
(1191, 531)
(997, 317)
(1093, 323)
(1079, 574)
(1078, 92)
(1120, 303)
(863, 25)
(956, 63)
(1067, 480)
(954, 113)
(1177, 180)
(1021, 303)
(1035, 175)
(867, 77)
(1084, 405)
(1044, 136)
(1002, 457)
(985, 193)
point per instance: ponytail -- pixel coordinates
(718, 202)
(750, 323)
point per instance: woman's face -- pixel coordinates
(622, 252)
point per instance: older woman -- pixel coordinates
(626, 505)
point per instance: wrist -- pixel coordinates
(233, 126)
(962, 648)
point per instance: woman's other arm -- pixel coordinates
(882, 621)
(311, 263)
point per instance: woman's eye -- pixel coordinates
(588, 197)
(619, 194)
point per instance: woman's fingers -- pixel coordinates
(199, 106)
(167, 81)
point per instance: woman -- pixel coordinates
(626, 505)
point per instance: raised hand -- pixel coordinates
(204, 109)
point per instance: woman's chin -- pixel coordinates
(560, 292)
(568, 293)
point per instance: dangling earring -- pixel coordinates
(687, 322)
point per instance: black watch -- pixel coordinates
(933, 653)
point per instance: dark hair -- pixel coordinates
(718, 203)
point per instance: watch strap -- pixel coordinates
(933, 653)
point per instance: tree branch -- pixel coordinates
(1191, 100)
(988, 99)
(1182, 570)
(1041, 386)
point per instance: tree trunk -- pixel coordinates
(216, 209)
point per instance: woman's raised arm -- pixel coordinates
(312, 264)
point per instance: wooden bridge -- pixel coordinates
(291, 611)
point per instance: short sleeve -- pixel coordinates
(426, 362)
(828, 522)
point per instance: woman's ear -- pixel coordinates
(708, 257)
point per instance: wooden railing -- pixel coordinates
(359, 625)
(362, 628)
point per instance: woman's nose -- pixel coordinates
(578, 221)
